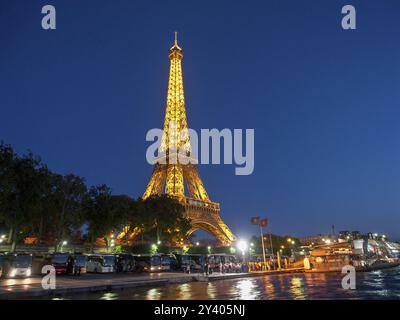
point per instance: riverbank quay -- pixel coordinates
(89, 283)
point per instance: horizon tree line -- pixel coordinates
(52, 207)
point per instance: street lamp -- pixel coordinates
(209, 249)
(197, 243)
(242, 246)
(64, 243)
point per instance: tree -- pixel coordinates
(65, 205)
(125, 214)
(20, 191)
(99, 213)
(164, 219)
(278, 243)
(7, 159)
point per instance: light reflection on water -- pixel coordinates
(153, 294)
(109, 296)
(245, 289)
(384, 284)
(184, 292)
(297, 288)
(211, 291)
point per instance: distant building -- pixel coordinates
(318, 239)
(349, 235)
(355, 235)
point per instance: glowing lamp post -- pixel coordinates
(64, 243)
(242, 247)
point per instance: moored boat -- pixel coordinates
(362, 254)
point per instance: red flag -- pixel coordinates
(255, 220)
(264, 223)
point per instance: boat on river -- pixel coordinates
(362, 254)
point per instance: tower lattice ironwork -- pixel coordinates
(174, 166)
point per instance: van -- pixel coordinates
(165, 262)
(148, 263)
(77, 264)
(125, 262)
(17, 265)
(1, 264)
(60, 262)
(195, 262)
(98, 263)
(223, 263)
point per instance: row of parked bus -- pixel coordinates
(26, 264)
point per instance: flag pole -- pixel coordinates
(262, 241)
(272, 248)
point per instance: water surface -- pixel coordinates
(382, 284)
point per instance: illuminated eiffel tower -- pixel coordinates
(171, 171)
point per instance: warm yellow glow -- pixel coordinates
(171, 175)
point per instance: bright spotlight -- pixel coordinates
(242, 245)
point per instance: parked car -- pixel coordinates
(125, 262)
(148, 263)
(17, 265)
(99, 263)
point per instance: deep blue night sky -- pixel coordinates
(324, 102)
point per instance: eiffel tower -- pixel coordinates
(174, 165)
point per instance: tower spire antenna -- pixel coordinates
(176, 38)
